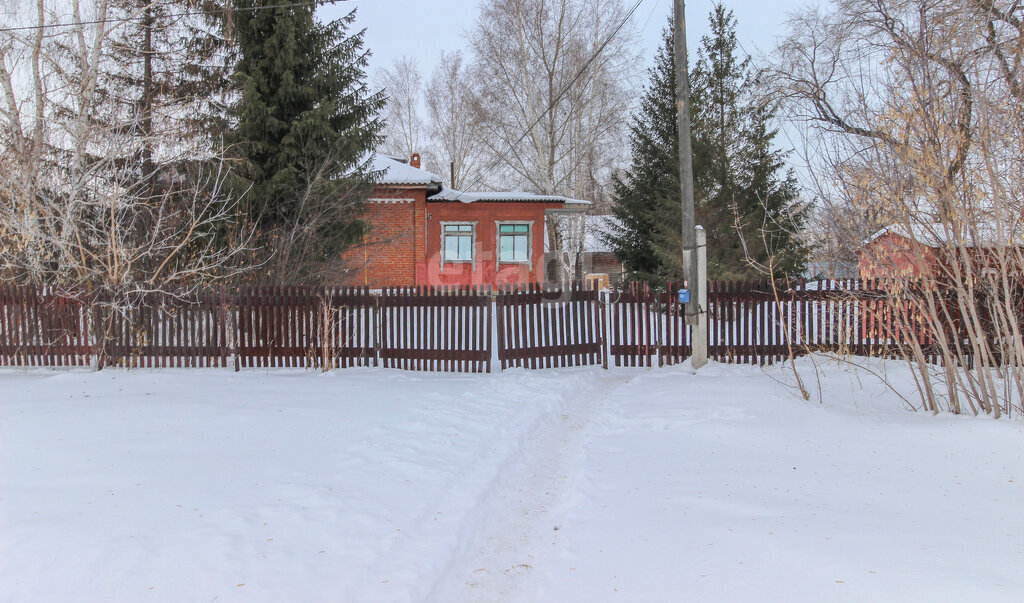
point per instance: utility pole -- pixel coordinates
(695, 314)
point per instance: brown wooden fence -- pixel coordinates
(634, 325)
(260, 326)
(304, 327)
(435, 329)
(39, 328)
(163, 331)
(760, 322)
(546, 327)
(451, 329)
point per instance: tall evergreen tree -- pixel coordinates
(304, 122)
(645, 195)
(743, 197)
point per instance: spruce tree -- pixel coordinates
(645, 195)
(304, 123)
(743, 197)
(775, 217)
(749, 201)
(719, 81)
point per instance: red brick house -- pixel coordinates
(893, 252)
(423, 233)
(902, 253)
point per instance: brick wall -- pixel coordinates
(403, 247)
(388, 256)
(486, 269)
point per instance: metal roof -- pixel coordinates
(449, 194)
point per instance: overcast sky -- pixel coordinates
(423, 28)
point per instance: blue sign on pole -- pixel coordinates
(684, 296)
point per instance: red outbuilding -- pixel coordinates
(424, 233)
(899, 252)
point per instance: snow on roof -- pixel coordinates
(450, 194)
(937, 235)
(395, 171)
(916, 232)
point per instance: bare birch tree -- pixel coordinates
(456, 128)
(557, 80)
(84, 211)
(914, 119)
(404, 130)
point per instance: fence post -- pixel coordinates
(377, 319)
(222, 326)
(489, 326)
(235, 331)
(700, 330)
(496, 301)
(602, 326)
(99, 336)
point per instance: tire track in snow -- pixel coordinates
(514, 526)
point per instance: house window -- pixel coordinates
(513, 242)
(457, 242)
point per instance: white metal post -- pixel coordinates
(699, 357)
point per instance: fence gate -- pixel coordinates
(545, 327)
(676, 337)
(435, 329)
(634, 328)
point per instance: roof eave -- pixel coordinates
(430, 186)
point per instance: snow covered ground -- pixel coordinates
(557, 485)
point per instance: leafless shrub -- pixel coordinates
(97, 204)
(327, 325)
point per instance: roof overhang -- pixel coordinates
(451, 195)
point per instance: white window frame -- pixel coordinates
(472, 244)
(529, 243)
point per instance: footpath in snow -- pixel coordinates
(560, 485)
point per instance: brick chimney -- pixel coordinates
(414, 161)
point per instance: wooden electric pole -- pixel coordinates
(695, 280)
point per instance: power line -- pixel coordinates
(559, 97)
(654, 9)
(171, 15)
